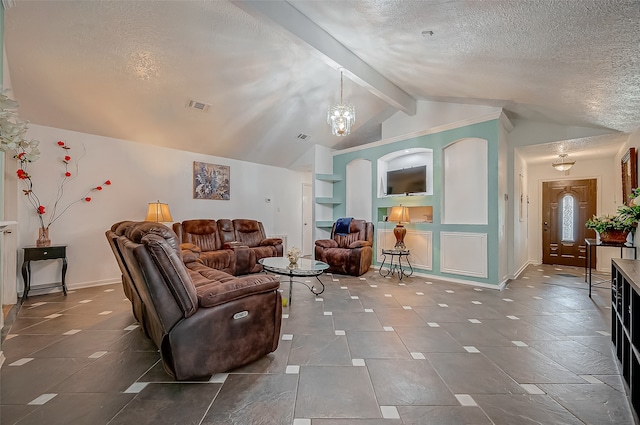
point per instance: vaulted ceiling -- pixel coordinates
(268, 70)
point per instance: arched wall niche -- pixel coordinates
(466, 182)
(358, 187)
(405, 158)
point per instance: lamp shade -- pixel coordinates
(399, 214)
(158, 212)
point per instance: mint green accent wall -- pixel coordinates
(488, 130)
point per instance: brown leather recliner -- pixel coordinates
(234, 246)
(131, 292)
(204, 234)
(203, 320)
(349, 254)
(251, 233)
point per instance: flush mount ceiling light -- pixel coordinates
(564, 163)
(341, 116)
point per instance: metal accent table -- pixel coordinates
(37, 253)
(592, 244)
(303, 268)
(397, 267)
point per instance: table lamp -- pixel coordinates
(159, 213)
(399, 214)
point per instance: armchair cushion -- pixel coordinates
(327, 243)
(346, 240)
(190, 252)
(270, 241)
(217, 293)
(359, 244)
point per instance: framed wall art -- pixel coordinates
(211, 181)
(629, 174)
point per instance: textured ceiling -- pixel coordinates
(126, 69)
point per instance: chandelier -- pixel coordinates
(564, 163)
(341, 116)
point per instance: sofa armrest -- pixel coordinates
(359, 244)
(189, 252)
(327, 243)
(270, 241)
(217, 293)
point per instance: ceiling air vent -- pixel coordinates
(303, 136)
(201, 106)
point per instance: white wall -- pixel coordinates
(432, 114)
(607, 203)
(141, 174)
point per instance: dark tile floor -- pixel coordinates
(368, 351)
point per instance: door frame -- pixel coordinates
(555, 190)
(307, 245)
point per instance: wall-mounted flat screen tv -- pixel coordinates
(408, 180)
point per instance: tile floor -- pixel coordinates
(368, 351)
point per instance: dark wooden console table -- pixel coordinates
(592, 245)
(37, 253)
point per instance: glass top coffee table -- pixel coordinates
(303, 268)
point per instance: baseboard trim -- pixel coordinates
(499, 287)
(82, 285)
(73, 286)
(521, 270)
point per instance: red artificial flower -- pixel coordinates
(22, 175)
(21, 155)
(40, 209)
(67, 158)
(108, 182)
(87, 199)
(60, 143)
(67, 174)
(99, 188)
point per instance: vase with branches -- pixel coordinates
(26, 151)
(70, 171)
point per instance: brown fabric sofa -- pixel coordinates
(233, 246)
(203, 320)
(349, 254)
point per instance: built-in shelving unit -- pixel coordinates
(329, 177)
(324, 224)
(625, 323)
(327, 202)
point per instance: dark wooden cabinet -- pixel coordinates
(625, 323)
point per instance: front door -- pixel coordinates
(566, 206)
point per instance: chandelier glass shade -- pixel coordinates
(564, 163)
(341, 116)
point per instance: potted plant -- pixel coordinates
(612, 229)
(631, 213)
